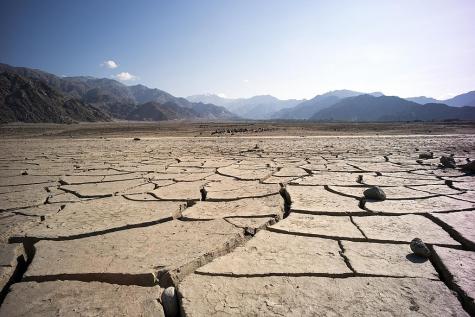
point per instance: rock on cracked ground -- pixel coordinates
(236, 226)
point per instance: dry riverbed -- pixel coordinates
(100, 224)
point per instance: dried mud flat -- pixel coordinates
(235, 226)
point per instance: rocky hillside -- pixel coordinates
(117, 100)
(155, 111)
(32, 100)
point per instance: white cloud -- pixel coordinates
(222, 95)
(110, 64)
(245, 81)
(125, 76)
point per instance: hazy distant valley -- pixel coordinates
(347, 105)
(30, 95)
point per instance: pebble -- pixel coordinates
(469, 167)
(447, 161)
(419, 248)
(375, 193)
(170, 302)
(426, 155)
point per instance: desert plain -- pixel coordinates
(252, 219)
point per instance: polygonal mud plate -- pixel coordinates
(73, 298)
(387, 259)
(203, 295)
(403, 229)
(248, 207)
(315, 199)
(329, 178)
(424, 205)
(459, 269)
(103, 215)
(271, 253)
(234, 189)
(318, 226)
(462, 223)
(137, 256)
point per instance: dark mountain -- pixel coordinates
(121, 100)
(209, 111)
(306, 109)
(257, 107)
(143, 94)
(155, 111)
(111, 96)
(114, 98)
(50, 79)
(369, 108)
(32, 100)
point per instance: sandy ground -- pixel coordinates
(220, 129)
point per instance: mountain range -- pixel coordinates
(467, 99)
(30, 95)
(363, 108)
(261, 107)
(307, 108)
(373, 106)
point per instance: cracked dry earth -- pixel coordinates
(238, 226)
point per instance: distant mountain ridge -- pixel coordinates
(389, 108)
(422, 100)
(116, 100)
(307, 108)
(466, 99)
(260, 107)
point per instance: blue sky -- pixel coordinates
(240, 48)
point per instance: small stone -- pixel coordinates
(24, 173)
(248, 231)
(136, 139)
(170, 302)
(419, 248)
(447, 161)
(375, 193)
(426, 155)
(469, 167)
